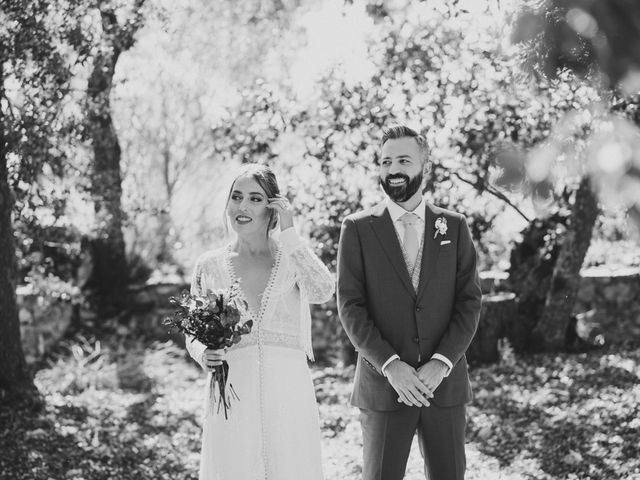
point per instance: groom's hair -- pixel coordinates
(402, 131)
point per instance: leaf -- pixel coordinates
(528, 25)
(573, 458)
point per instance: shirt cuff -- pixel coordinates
(445, 360)
(391, 359)
(290, 240)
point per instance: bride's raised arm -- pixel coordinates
(313, 277)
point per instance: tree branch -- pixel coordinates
(495, 193)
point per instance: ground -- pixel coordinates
(134, 413)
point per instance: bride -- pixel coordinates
(272, 431)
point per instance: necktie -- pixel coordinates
(410, 239)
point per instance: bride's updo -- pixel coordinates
(263, 176)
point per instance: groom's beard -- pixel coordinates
(404, 192)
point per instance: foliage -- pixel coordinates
(588, 143)
(584, 405)
(39, 110)
(184, 75)
(615, 255)
(108, 415)
(47, 159)
(208, 85)
(53, 249)
(464, 91)
(588, 38)
(597, 41)
(460, 91)
(132, 411)
(50, 287)
(34, 81)
(212, 319)
(36, 74)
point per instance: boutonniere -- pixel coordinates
(441, 227)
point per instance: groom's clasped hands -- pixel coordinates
(415, 387)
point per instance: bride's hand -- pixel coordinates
(282, 206)
(213, 358)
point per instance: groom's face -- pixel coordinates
(401, 167)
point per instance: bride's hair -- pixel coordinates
(263, 176)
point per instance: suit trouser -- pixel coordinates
(388, 437)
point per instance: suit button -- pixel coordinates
(416, 339)
(418, 308)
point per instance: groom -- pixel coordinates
(409, 299)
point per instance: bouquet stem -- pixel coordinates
(223, 394)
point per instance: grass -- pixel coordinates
(133, 412)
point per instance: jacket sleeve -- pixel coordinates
(468, 300)
(355, 318)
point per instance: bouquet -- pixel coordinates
(214, 320)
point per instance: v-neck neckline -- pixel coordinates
(266, 293)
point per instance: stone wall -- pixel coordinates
(497, 309)
(42, 322)
(150, 306)
(615, 294)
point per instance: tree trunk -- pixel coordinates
(110, 273)
(110, 266)
(497, 313)
(532, 264)
(165, 222)
(15, 381)
(165, 237)
(561, 297)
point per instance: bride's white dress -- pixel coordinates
(272, 431)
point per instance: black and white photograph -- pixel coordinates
(319, 240)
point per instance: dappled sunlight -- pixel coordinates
(631, 365)
(124, 124)
(336, 38)
(105, 421)
(614, 162)
(342, 436)
(588, 401)
(585, 405)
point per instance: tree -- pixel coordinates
(189, 66)
(162, 118)
(594, 40)
(110, 275)
(565, 281)
(597, 41)
(459, 91)
(14, 377)
(34, 78)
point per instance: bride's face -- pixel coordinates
(247, 208)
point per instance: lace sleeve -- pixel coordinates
(194, 347)
(312, 276)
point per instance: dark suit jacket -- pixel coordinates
(383, 315)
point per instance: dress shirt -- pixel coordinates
(396, 211)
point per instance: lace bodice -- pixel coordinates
(298, 278)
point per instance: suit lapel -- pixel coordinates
(383, 228)
(430, 250)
